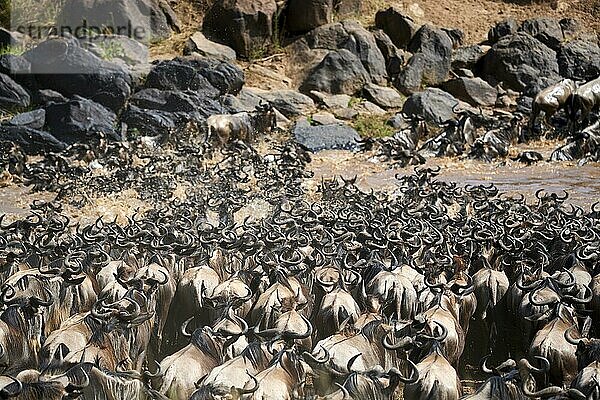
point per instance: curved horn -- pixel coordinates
(184, 331)
(569, 337)
(323, 360)
(6, 394)
(412, 377)
(253, 389)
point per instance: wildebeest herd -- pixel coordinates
(338, 294)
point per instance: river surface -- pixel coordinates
(581, 182)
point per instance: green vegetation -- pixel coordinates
(111, 49)
(373, 126)
(354, 101)
(16, 50)
(5, 14)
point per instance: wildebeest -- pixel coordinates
(552, 99)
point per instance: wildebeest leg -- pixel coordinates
(535, 112)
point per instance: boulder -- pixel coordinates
(340, 72)
(330, 37)
(244, 25)
(507, 27)
(325, 137)
(394, 57)
(474, 91)
(197, 73)
(365, 107)
(35, 119)
(64, 66)
(143, 20)
(199, 44)
(332, 101)
(546, 30)
(436, 47)
(12, 95)
(46, 96)
(32, 141)
(383, 96)
(350, 35)
(118, 48)
(177, 75)
(579, 59)
(362, 44)
(433, 104)
(194, 105)
(325, 118)
(410, 79)
(79, 119)
(519, 60)
(399, 27)
(345, 8)
(13, 65)
(289, 102)
(149, 122)
(304, 15)
(468, 57)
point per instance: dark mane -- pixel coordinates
(588, 353)
(253, 353)
(361, 387)
(42, 390)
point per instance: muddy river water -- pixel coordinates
(581, 182)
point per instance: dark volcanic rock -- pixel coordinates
(504, 28)
(178, 75)
(362, 44)
(325, 137)
(154, 18)
(433, 104)
(519, 60)
(410, 79)
(394, 57)
(45, 96)
(289, 102)
(12, 65)
(244, 25)
(62, 65)
(150, 122)
(209, 76)
(436, 46)
(400, 28)
(467, 57)
(304, 15)
(80, 119)
(12, 95)
(579, 59)
(35, 119)
(192, 103)
(330, 36)
(474, 91)
(32, 141)
(340, 72)
(546, 30)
